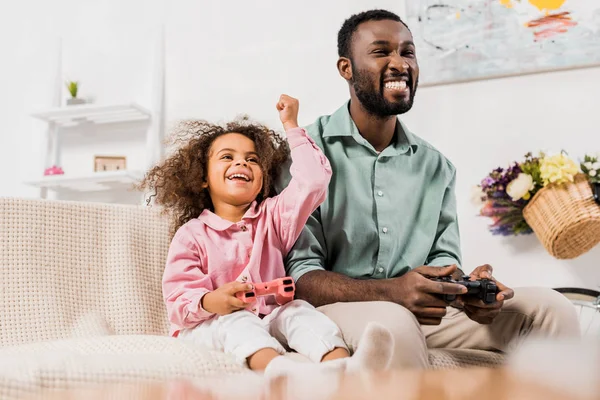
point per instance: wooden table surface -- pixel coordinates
(461, 384)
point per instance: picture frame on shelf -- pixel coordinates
(110, 163)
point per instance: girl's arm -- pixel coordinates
(184, 284)
(310, 172)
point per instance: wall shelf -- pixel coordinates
(75, 126)
(93, 182)
(72, 116)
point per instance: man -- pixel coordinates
(389, 222)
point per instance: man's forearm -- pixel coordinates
(324, 287)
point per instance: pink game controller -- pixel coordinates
(283, 289)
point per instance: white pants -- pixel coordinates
(297, 325)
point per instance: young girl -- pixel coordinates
(231, 230)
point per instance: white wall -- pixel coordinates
(236, 57)
(230, 57)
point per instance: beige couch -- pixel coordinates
(81, 302)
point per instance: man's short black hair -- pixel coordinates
(351, 24)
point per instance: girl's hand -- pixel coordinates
(223, 301)
(288, 111)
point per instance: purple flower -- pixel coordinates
(487, 182)
(504, 230)
(507, 215)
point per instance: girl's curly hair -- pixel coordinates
(177, 181)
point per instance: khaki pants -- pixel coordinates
(532, 311)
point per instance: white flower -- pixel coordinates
(588, 165)
(520, 187)
(592, 172)
(477, 196)
(595, 165)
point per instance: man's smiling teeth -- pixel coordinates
(398, 85)
(242, 176)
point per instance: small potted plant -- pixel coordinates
(73, 88)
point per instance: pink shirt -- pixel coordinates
(209, 251)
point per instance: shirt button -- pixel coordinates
(380, 193)
(243, 228)
(249, 254)
(254, 310)
(380, 270)
(385, 229)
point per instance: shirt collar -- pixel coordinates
(341, 124)
(217, 223)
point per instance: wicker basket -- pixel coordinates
(565, 218)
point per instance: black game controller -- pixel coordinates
(596, 191)
(483, 289)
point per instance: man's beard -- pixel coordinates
(374, 102)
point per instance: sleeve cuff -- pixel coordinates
(297, 273)
(195, 309)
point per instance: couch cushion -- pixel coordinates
(457, 358)
(69, 266)
(65, 364)
(72, 363)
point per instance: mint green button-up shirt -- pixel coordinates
(385, 213)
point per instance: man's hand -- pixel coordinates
(288, 111)
(476, 309)
(422, 296)
(223, 301)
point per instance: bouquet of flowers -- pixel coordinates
(504, 193)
